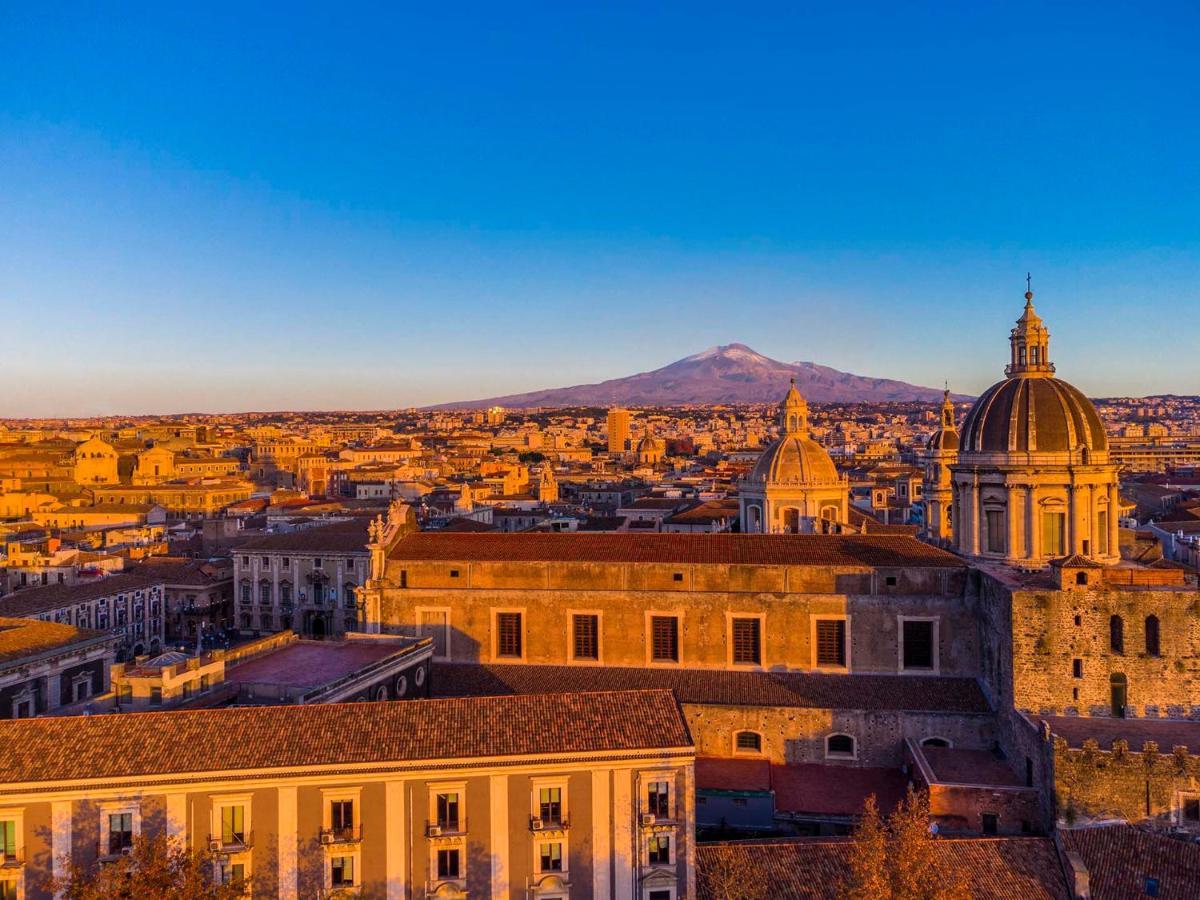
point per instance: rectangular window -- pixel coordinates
(996, 539)
(1054, 534)
(508, 634)
(1077, 668)
(120, 832)
(660, 849)
(448, 862)
(156, 696)
(1191, 810)
(8, 837)
(447, 810)
(664, 639)
(747, 642)
(233, 824)
(341, 816)
(551, 857)
(586, 636)
(233, 873)
(1102, 532)
(342, 871)
(918, 645)
(550, 805)
(831, 642)
(658, 799)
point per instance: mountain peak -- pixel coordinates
(728, 351)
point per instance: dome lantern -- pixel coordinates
(1030, 341)
(793, 412)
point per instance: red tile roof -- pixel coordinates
(1120, 858)
(184, 741)
(1025, 868)
(339, 537)
(862, 551)
(718, 687)
(34, 601)
(22, 638)
(814, 789)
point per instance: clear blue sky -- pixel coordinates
(229, 207)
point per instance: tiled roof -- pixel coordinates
(339, 537)
(21, 638)
(33, 601)
(341, 734)
(1024, 868)
(717, 687)
(818, 790)
(716, 549)
(1167, 733)
(1120, 858)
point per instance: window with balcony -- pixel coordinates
(747, 641)
(585, 636)
(341, 818)
(664, 639)
(550, 806)
(448, 811)
(8, 838)
(233, 825)
(831, 643)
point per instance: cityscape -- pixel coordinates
(372, 526)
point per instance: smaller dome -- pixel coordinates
(650, 444)
(795, 459)
(943, 439)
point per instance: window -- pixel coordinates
(996, 542)
(840, 746)
(233, 873)
(454, 573)
(917, 640)
(658, 799)
(508, 634)
(991, 823)
(120, 832)
(550, 859)
(449, 863)
(550, 808)
(659, 895)
(1189, 809)
(245, 592)
(404, 578)
(678, 576)
(1119, 690)
(1102, 532)
(664, 639)
(747, 742)
(233, 824)
(447, 810)
(586, 636)
(747, 642)
(317, 564)
(8, 837)
(935, 742)
(1077, 668)
(660, 849)
(1116, 634)
(264, 593)
(1054, 541)
(1152, 648)
(831, 642)
(285, 563)
(342, 871)
(341, 818)
(156, 696)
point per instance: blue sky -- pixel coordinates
(247, 206)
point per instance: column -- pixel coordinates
(624, 846)
(602, 818)
(1033, 523)
(1013, 512)
(1113, 514)
(1094, 539)
(976, 513)
(1073, 541)
(688, 831)
(396, 834)
(289, 880)
(498, 822)
(177, 816)
(60, 838)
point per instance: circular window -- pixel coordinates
(401, 685)
(419, 676)
(381, 692)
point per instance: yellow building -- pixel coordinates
(96, 462)
(618, 430)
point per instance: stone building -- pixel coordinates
(1033, 481)
(794, 488)
(937, 487)
(44, 666)
(595, 801)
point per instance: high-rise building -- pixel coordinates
(618, 430)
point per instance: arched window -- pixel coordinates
(1152, 648)
(935, 742)
(1116, 634)
(747, 742)
(840, 746)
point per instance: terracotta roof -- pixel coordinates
(33, 601)
(1024, 868)
(1075, 561)
(892, 551)
(339, 537)
(1167, 733)
(1120, 858)
(815, 789)
(185, 741)
(718, 687)
(21, 638)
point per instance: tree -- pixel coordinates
(729, 873)
(897, 858)
(156, 866)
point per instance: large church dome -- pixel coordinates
(795, 459)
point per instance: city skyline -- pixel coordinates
(329, 216)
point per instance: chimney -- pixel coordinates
(1077, 875)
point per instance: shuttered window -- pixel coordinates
(747, 641)
(508, 641)
(831, 642)
(587, 636)
(664, 638)
(918, 645)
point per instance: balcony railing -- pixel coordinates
(549, 823)
(445, 829)
(11, 859)
(350, 834)
(231, 843)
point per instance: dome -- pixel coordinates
(795, 459)
(650, 444)
(1032, 414)
(943, 439)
